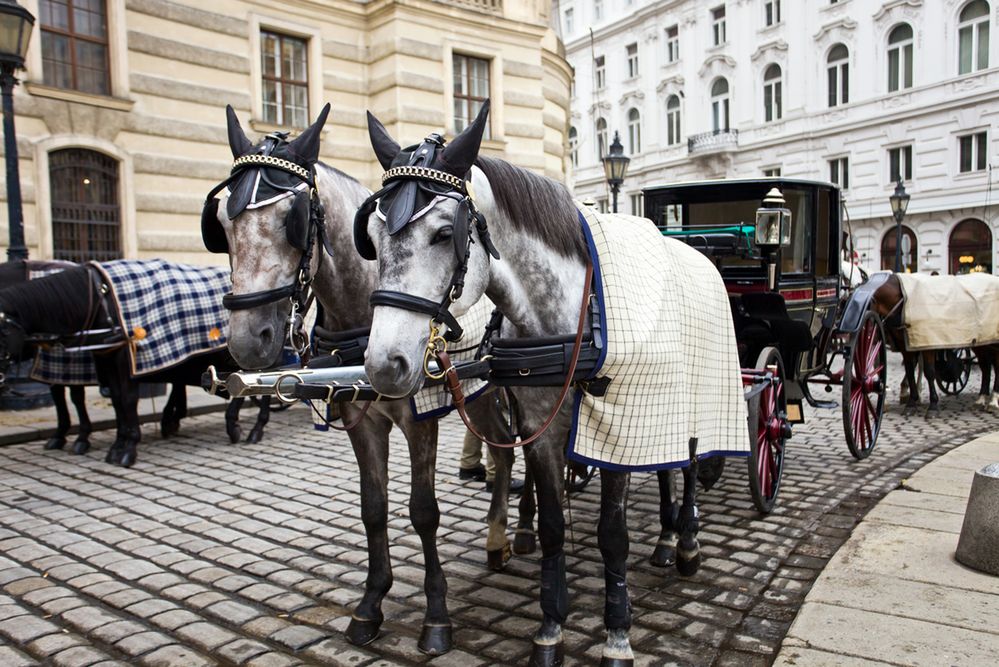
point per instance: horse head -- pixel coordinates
(423, 228)
(270, 220)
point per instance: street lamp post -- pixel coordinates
(16, 23)
(899, 201)
(615, 168)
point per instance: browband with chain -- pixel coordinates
(423, 174)
(271, 161)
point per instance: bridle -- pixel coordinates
(299, 292)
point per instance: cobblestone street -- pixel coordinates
(210, 553)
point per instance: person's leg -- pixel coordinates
(470, 466)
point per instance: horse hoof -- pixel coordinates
(234, 432)
(496, 559)
(55, 443)
(435, 639)
(256, 435)
(113, 455)
(616, 662)
(663, 556)
(81, 447)
(524, 542)
(361, 633)
(168, 429)
(687, 567)
(547, 655)
(127, 459)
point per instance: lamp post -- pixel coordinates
(899, 202)
(16, 23)
(615, 168)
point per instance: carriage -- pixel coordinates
(777, 244)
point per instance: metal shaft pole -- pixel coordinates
(15, 220)
(898, 244)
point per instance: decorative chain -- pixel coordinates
(423, 173)
(271, 161)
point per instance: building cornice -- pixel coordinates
(890, 7)
(845, 23)
(764, 49)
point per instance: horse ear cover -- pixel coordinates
(385, 147)
(458, 156)
(238, 141)
(306, 145)
(211, 229)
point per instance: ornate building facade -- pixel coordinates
(859, 92)
(120, 114)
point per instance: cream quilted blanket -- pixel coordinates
(950, 311)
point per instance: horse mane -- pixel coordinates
(537, 205)
(350, 180)
(55, 304)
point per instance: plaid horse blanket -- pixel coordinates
(670, 353)
(950, 311)
(56, 365)
(170, 311)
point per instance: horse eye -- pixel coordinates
(443, 234)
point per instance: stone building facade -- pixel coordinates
(855, 91)
(120, 113)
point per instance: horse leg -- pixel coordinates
(688, 551)
(108, 376)
(435, 638)
(79, 397)
(669, 517)
(133, 433)
(58, 393)
(612, 536)
(985, 367)
(909, 361)
(930, 373)
(170, 422)
(993, 365)
(524, 540)
(232, 428)
(486, 414)
(263, 416)
(370, 442)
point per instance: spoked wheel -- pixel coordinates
(580, 476)
(953, 369)
(864, 386)
(768, 432)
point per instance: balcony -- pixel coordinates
(718, 141)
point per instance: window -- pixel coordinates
(718, 25)
(673, 120)
(672, 44)
(634, 132)
(602, 205)
(86, 218)
(632, 50)
(909, 254)
(601, 138)
(771, 12)
(598, 10)
(719, 105)
(599, 73)
(839, 172)
(838, 75)
(973, 37)
(970, 248)
(471, 89)
(574, 146)
(900, 164)
(567, 24)
(771, 172)
(772, 107)
(75, 45)
(973, 149)
(900, 58)
(284, 68)
(637, 205)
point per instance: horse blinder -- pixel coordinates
(296, 221)
(211, 229)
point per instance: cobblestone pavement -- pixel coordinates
(254, 554)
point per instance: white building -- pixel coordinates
(854, 91)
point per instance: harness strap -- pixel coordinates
(457, 396)
(418, 304)
(255, 299)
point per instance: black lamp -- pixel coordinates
(615, 167)
(899, 203)
(773, 230)
(16, 23)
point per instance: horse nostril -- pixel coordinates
(267, 335)
(401, 364)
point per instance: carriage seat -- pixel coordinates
(790, 335)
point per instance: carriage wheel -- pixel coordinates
(864, 386)
(578, 480)
(768, 432)
(964, 357)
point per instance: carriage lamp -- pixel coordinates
(615, 168)
(899, 201)
(773, 230)
(16, 23)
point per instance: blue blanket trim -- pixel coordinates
(652, 467)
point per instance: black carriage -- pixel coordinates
(777, 243)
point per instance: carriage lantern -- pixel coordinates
(773, 230)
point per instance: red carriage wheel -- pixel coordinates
(864, 386)
(768, 433)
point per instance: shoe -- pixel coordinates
(516, 487)
(478, 473)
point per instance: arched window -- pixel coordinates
(86, 217)
(634, 132)
(973, 37)
(719, 105)
(574, 146)
(970, 247)
(672, 120)
(838, 75)
(772, 106)
(910, 254)
(900, 57)
(601, 138)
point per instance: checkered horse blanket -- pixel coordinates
(950, 311)
(57, 365)
(170, 311)
(670, 353)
